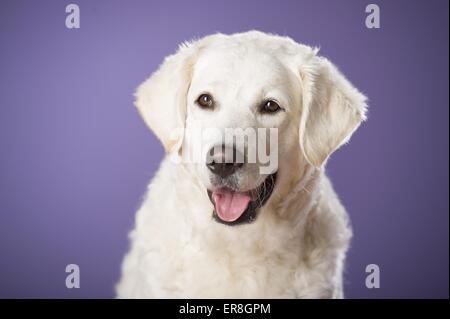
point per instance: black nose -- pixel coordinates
(224, 161)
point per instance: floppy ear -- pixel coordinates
(161, 99)
(332, 110)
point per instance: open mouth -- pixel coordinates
(233, 208)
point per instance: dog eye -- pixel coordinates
(205, 100)
(270, 106)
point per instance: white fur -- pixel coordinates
(297, 245)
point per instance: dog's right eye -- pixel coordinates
(205, 101)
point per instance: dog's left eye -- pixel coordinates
(270, 106)
(205, 101)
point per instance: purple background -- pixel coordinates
(75, 157)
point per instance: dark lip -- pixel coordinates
(263, 193)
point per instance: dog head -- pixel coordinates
(247, 111)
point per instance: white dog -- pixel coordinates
(219, 228)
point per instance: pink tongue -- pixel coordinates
(230, 205)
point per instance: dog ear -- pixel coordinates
(161, 99)
(332, 110)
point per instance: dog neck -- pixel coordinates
(299, 195)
